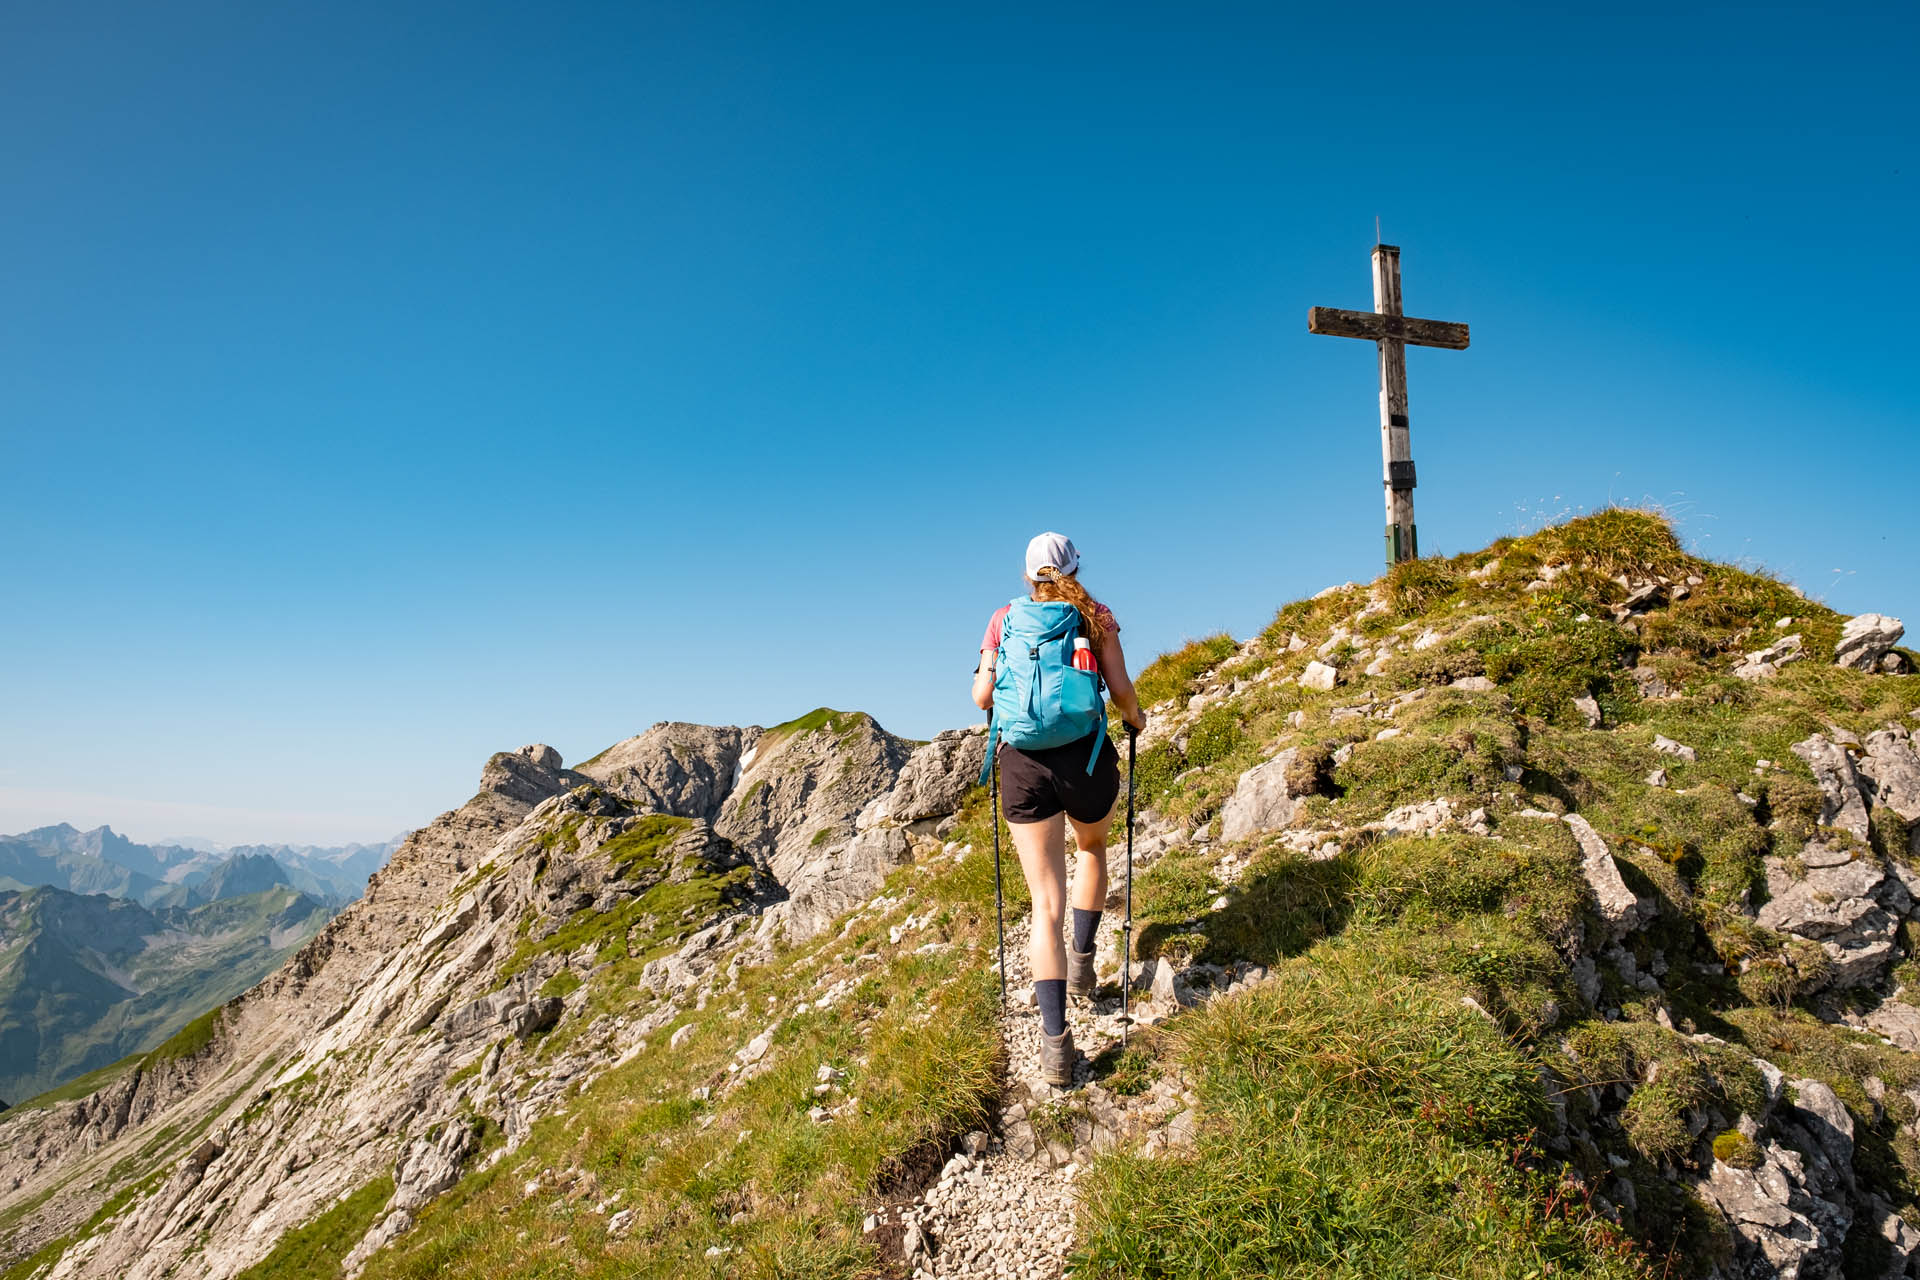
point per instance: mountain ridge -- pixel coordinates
(1559, 893)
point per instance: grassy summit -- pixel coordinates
(1360, 1116)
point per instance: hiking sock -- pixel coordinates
(1085, 925)
(1051, 995)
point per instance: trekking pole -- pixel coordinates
(993, 816)
(1126, 930)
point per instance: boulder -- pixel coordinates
(1866, 639)
(1619, 907)
(1899, 1022)
(1319, 675)
(1842, 803)
(1263, 800)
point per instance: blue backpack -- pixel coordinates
(1040, 699)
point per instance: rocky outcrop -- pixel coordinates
(683, 769)
(934, 781)
(1789, 1212)
(1843, 803)
(1763, 663)
(1619, 908)
(1890, 772)
(1266, 798)
(1866, 640)
(1847, 901)
(803, 790)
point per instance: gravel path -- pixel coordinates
(996, 1214)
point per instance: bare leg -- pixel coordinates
(1090, 875)
(1043, 859)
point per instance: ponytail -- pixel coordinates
(1050, 584)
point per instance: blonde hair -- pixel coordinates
(1051, 584)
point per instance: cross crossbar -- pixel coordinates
(1375, 327)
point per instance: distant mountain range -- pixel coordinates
(86, 979)
(108, 946)
(182, 873)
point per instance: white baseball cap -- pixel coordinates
(1052, 550)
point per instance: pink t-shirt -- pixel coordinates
(991, 640)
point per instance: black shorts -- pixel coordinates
(1035, 785)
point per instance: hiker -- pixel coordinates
(1057, 765)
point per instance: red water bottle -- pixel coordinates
(1083, 659)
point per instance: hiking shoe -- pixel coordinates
(1080, 979)
(1056, 1058)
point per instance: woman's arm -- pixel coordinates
(983, 680)
(1113, 667)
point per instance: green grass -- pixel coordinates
(915, 1034)
(1353, 1127)
(188, 1040)
(1170, 674)
(834, 722)
(1314, 1161)
(314, 1251)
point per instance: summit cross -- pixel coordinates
(1392, 330)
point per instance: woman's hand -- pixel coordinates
(1135, 719)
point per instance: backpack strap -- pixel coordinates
(1099, 741)
(993, 739)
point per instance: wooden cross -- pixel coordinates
(1392, 330)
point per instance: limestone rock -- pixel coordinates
(1319, 675)
(1589, 709)
(1668, 747)
(1263, 799)
(1473, 684)
(934, 781)
(1899, 1022)
(1762, 663)
(1891, 770)
(526, 776)
(1842, 805)
(1619, 907)
(429, 1166)
(1789, 1216)
(1866, 639)
(682, 769)
(1850, 905)
(1415, 819)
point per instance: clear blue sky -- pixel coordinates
(385, 385)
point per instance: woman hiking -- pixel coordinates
(1042, 661)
